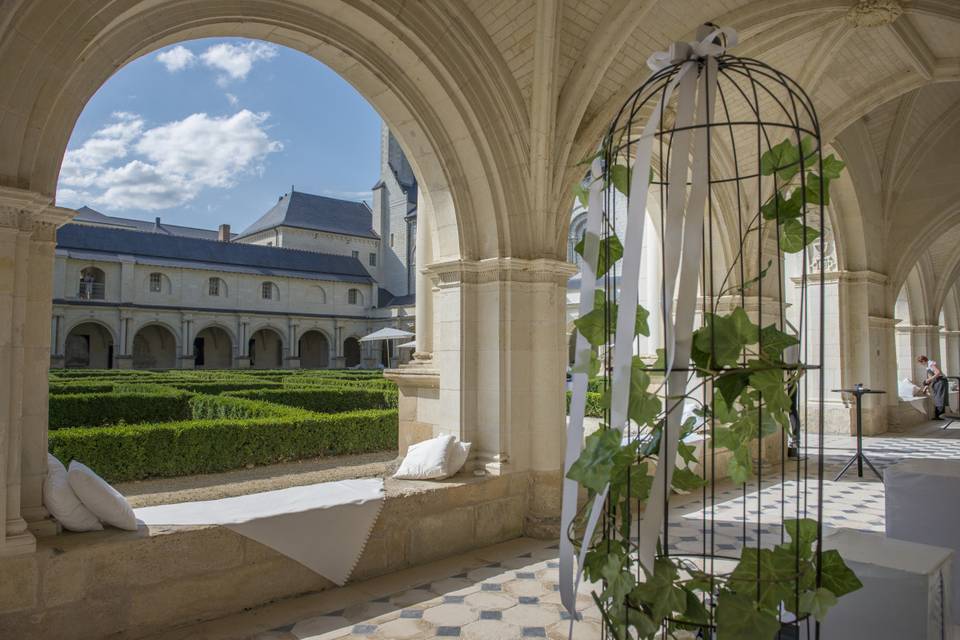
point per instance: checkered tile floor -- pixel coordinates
(510, 591)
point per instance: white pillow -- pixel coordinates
(103, 500)
(427, 460)
(61, 501)
(458, 457)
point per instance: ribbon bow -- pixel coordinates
(682, 249)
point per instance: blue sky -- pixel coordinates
(215, 130)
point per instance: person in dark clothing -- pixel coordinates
(936, 382)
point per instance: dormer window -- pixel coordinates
(354, 297)
(269, 291)
(156, 282)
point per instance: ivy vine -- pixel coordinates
(744, 365)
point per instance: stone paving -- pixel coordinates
(510, 590)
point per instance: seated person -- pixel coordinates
(936, 384)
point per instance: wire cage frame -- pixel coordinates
(751, 221)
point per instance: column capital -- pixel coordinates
(846, 277)
(540, 270)
(31, 211)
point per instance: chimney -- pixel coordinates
(223, 234)
(156, 223)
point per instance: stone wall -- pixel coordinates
(132, 584)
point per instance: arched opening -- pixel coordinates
(314, 350)
(92, 285)
(351, 352)
(266, 349)
(212, 349)
(89, 345)
(154, 347)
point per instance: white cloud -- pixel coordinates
(236, 60)
(232, 99)
(174, 162)
(177, 58)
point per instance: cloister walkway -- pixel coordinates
(510, 590)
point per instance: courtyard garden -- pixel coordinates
(133, 425)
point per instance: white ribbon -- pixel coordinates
(682, 250)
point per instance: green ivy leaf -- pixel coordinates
(776, 577)
(611, 250)
(817, 602)
(582, 193)
(794, 236)
(782, 159)
(803, 533)
(770, 384)
(740, 465)
(644, 407)
(836, 575)
(813, 189)
(659, 592)
(593, 325)
(695, 612)
(746, 330)
(686, 480)
(731, 384)
(778, 207)
(643, 325)
(739, 619)
(773, 342)
(596, 462)
(620, 178)
(832, 167)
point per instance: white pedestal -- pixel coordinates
(905, 589)
(923, 505)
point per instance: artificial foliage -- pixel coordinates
(744, 368)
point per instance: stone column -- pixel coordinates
(186, 337)
(36, 351)
(292, 360)
(122, 357)
(26, 286)
(499, 357)
(57, 359)
(243, 357)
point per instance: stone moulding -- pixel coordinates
(874, 13)
(540, 270)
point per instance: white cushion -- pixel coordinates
(427, 460)
(103, 500)
(458, 457)
(61, 501)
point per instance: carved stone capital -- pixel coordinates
(458, 272)
(31, 212)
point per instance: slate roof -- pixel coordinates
(86, 215)
(210, 254)
(317, 213)
(387, 299)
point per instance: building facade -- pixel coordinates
(297, 288)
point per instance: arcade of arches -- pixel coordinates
(494, 103)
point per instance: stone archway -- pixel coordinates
(154, 347)
(213, 349)
(266, 349)
(314, 349)
(351, 352)
(89, 345)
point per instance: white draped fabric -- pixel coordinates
(322, 526)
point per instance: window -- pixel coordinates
(156, 282)
(391, 239)
(353, 296)
(266, 291)
(373, 260)
(355, 254)
(214, 287)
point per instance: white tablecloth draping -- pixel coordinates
(905, 587)
(923, 505)
(322, 526)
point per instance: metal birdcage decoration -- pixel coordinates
(705, 509)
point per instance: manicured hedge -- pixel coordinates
(205, 407)
(368, 383)
(81, 386)
(220, 386)
(324, 399)
(207, 446)
(594, 405)
(94, 409)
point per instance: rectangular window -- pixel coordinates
(155, 282)
(215, 286)
(267, 292)
(391, 239)
(352, 296)
(355, 254)
(373, 259)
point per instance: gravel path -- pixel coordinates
(212, 486)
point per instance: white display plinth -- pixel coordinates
(923, 505)
(905, 589)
